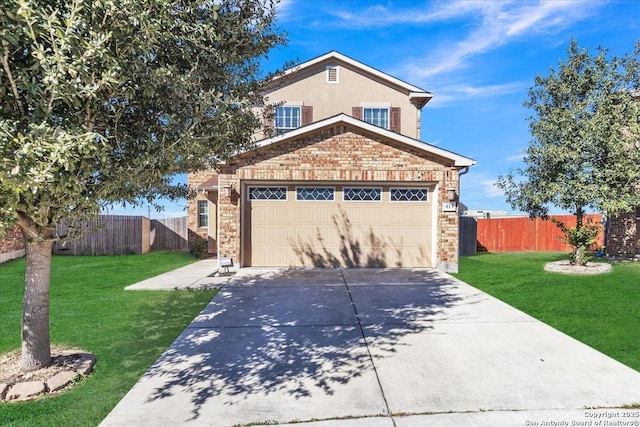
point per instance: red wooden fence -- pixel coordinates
(522, 234)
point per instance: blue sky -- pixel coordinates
(478, 58)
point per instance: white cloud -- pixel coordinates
(516, 157)
(480, 27)
(380, 16)
(497, 23)
(478, 187)
(489, 188)
(284, 8)
(456, 92)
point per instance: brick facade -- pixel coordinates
(11, 245)
(337, 153)
(207, 235)
(12, 241)
(623, 235)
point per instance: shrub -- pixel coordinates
(580, 237)
(198, 249)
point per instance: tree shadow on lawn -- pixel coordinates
(273, 334)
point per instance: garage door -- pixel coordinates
(338, 225)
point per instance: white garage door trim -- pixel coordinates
(333, 193)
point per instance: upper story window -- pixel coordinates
(385, 116)
(287, 118)
(376, 116)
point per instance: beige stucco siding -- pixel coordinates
(353, 89)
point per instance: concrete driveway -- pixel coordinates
(373, 347)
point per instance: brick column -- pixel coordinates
(229, 218)
(448, 224)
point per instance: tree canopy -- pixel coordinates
(104, 101)
(585, 127)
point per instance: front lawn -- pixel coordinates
(126, 330)
(601, 310)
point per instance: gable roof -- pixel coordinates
(457, 159)
(417, 95)
(210, 184)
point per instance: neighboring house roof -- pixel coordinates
(457, 159)
(417, 95)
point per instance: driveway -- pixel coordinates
(372, 347)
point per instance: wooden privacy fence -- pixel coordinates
(123, 234)
(467, 236)
(522, 234)
(107, 235)
(169, 234)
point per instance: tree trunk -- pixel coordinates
(36, 341)
(580, 249)
(579, 216)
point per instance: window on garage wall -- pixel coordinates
(362, 194)
(307, 194)
(408, 194)
(203, 213)
(267, 193)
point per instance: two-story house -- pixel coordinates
(343, 181)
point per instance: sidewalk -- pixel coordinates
(199, 275)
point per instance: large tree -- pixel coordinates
(104, 101)
(584, 154)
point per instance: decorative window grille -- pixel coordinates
(362, 194)
(267, 193)
(315, 193)
(409, 195)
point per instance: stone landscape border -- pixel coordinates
(29, 390)
(566, 267)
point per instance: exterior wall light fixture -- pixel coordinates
(451, 194)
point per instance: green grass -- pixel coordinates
(126, 330)
(600, 310)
